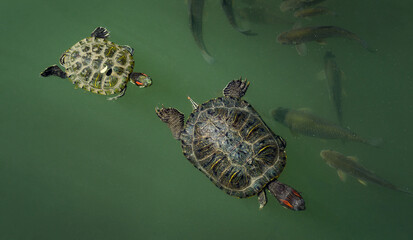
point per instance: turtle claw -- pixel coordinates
(100, 32)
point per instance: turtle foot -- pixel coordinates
(236, 88)
(100, 32)
(53, 71)
(172, 117)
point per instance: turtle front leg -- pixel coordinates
(236, 88)
(174, 119)
(53, 71)
(100, 32)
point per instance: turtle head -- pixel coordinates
(287, 196)
(140, 79)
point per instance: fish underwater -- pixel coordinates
(349, 165)
(305, 123)
(228, 9)
(195, 11)
(298, 36)
(291, 5)
(334, 76)
(313, 11)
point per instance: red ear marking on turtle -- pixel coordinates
(296, 194)
(288, 204)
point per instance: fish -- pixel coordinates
(227, 7)
(349, 165)
(305, 123)
(291, 5)
(301, 35)
(334, 76)
(195, 11)
(313, 11)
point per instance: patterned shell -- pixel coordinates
(98, 65)
(226, 139)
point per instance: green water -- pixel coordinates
(75, 166)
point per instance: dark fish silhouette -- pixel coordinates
(334, 75)
(308, 124)
(300, 36)
(227, 7)
(291, 5)
(195, 11)
(313, 11)
(347, 164)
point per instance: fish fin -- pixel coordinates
(362, 182)
(353, 158)
(367, 47)
(375, 142)
(321, 41)
(321, 75)
(342, 175)
(301, 49)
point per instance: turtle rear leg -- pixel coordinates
(174, 119)
(100, 32)
(236, 88)
(121, 94)
(129, 49)
(262, 198)
(53, 71)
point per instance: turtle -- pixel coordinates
(99, 66)
(226, 139)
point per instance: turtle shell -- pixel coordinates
(227, 140)
(98, 65)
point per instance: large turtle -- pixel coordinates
(227, 140)
(99, 66)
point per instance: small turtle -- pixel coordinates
(227, 140)
(99, 66)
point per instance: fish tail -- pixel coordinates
(367, 47)
(375, 142)
(340, 116)
(405, 190)
(208, 57)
